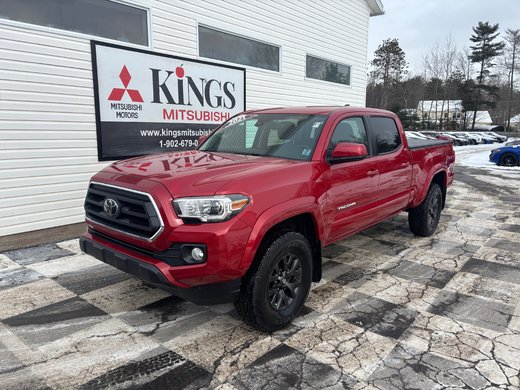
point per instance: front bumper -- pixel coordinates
(216, 293)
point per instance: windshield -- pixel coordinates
(291, 136)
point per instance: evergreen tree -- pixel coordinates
(513, 43)
(482, 53)
(389, 66)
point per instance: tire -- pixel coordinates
(423, 219)
(265, 286)
(508, 160)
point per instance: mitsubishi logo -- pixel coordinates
(111, 207)
(118, 93)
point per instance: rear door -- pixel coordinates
(351, 186)
(395, 168)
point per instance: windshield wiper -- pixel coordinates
(254, 154)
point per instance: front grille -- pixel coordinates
(137, 215)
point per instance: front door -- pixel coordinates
(351, 186)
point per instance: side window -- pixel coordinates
(350, 130)
(386, 133)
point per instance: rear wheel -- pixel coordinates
(423, 219)
(508, 160)
(274, 292)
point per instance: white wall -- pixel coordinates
(47, 125)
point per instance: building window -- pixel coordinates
(102, 18)
(334, 72)
(227, 47)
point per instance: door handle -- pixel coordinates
(405, 165)
(372, 173)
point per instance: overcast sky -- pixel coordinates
(419, 24)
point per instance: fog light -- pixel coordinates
(197, 254)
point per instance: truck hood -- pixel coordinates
(198, 173)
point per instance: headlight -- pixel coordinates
(211, 208)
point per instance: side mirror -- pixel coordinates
(346, 151)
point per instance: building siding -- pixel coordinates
(47, 117)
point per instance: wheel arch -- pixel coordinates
(305, 223)
(440, 178)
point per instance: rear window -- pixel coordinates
(386, 133)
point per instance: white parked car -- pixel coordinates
(473, 136)
(471, 141)
(501, 138)
(486, 139)
(416, 135)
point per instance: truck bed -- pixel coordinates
(414, 143)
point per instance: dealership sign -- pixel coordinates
(150, 102)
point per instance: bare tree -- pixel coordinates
(432, 62)
(448, 55)
(464, 64)
(481, 78)
(439, 65)
(512, 39)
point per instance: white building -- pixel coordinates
(435, 110)
(450, 110)
(515, 123)
(48, 145)
(482, 118)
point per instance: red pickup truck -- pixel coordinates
(244, 217)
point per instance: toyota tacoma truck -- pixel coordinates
(244, 218)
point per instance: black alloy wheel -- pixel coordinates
(284, 281)
(434, 205)
(423, 219)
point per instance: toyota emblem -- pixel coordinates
(111, 207)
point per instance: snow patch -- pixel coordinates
(478, 157)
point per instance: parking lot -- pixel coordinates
(392, 311)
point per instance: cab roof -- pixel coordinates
(319, 110)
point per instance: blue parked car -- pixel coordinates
(507, 156)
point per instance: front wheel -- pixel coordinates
(508, 160)
(423, 219)
(274, 292)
